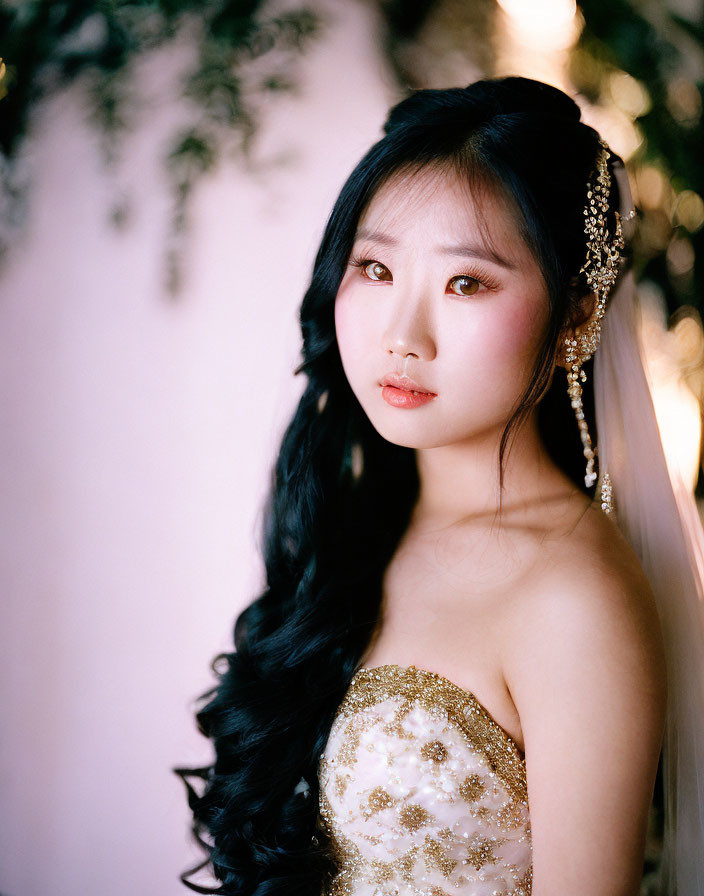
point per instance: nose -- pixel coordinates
(408, 332)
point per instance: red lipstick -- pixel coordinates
(403, 392)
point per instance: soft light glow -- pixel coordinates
(684, 101)
(534, 39)
(680, 256)
(616, 127)
(679, 421)
(689, 210)
(629, 94)
(651, 185)
(668, 352)
(551, 24)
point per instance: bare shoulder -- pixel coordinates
(591, 576)
(589, 617)
(585, 666)
(590, 621)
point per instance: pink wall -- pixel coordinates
(137, 434)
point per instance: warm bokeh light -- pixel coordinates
(651, 187)
(680, 256)
(629, 94)
(668, 353)
(534, 39)
(679, 420)
(689, 210)
(550, 23)
(684, 102)
(616, 126)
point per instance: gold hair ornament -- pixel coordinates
(601, 269)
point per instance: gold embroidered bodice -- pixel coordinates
(422, 792)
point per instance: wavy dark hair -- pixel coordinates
(341, 496)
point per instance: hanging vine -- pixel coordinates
(48, 45)
(654, 54)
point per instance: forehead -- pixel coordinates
(441, 201)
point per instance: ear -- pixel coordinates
(586, 306)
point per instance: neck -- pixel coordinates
(461, 481)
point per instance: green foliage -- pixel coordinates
(48, 45)
(660, 53)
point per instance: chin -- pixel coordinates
(407, 433)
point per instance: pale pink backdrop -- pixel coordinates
(137, 434)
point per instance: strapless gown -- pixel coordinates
(422, 792)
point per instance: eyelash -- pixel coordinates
(477, 274)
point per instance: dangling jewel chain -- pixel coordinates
(601, 270)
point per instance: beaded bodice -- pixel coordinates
(422, 793)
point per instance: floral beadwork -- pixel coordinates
(422, 793)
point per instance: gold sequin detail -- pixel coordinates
(341, 783)
(378, 800)
(471, 788)
(435, 750)
(435, 795)
(436, 857)
(463, 708)
(480, 851)
(413, 817)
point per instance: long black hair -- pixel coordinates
(341, 496)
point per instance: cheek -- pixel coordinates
(499, 352)
(353, 337)
(517, 337)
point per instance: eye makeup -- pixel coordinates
(473, 272)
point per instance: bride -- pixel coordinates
(474, 652)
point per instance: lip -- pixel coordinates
(403, 392)
(405, 383)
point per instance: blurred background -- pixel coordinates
(166, 170)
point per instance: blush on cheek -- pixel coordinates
(519, 333)
(352, 339)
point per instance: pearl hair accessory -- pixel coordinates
(601, 268)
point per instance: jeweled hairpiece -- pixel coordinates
(601, 269)
(604, 250)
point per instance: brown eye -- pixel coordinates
(374, 270)
(468, 285)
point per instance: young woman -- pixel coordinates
(469, 654)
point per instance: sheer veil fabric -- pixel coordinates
(657, 513)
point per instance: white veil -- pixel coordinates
(658, 515)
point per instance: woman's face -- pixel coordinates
(428, 296)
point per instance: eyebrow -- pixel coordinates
(467, 251)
